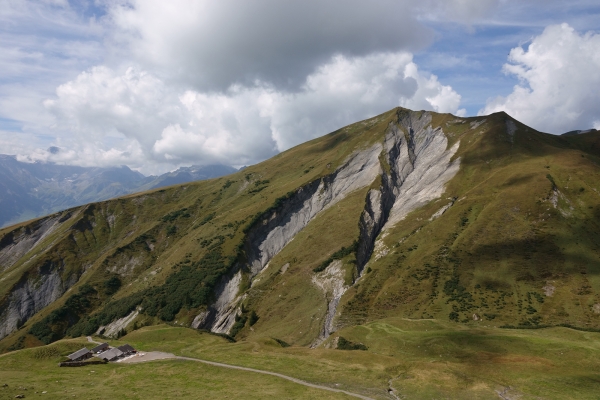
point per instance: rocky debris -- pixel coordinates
(477, 124)
(548, 289)
(476, 317)
(442, 210)
(419, 167)
(200, 319)
(284, 268)
(420, 164)
(222, 313)
(267, 239)
(511, 128)
(332, 282)
(113, 329)
(596, 308)
(16, 243)
(31, 294)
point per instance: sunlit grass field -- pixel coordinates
(418, 359)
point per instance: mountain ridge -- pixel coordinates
(504, 239)
(36, 189)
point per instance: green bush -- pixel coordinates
(344, 344)
(281, 342)
(112, 285)
(253, 318)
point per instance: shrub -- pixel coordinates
(281, 342)
(112, 285)
(253, 318)
(344, 344)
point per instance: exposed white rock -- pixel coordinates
(549, 289)
(476, 124)
(21, 240)
(420, 165)
(112, 330)
(441, 211)
(423, 165)
(357, 172)
(331, 281)
(511, 128)
(226, 305)
(125, 265)
(200, 319)
(28, 298)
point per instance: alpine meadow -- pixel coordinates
(410, 255)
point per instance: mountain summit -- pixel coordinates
(409, 214)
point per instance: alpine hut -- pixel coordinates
(110, 355)
(100, 348)
(126, 349)
(80, 355)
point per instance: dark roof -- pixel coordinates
(99, 348)
(110, 354)
(78, 354)
(126, 348)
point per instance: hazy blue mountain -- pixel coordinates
(579, 132)
(189, 174)
(29, 190)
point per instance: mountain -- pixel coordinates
(188, 174)
(34, 189)
(414, 215)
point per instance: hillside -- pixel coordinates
(29, 190)
(414, 215)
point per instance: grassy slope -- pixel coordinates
(153, 380)
(419, 358)
(116, 236)
(502, 242)
(498, 247)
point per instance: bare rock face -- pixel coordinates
(18, 242)
(331, 281)
(281, 226)
(112, 330)
(225, 308)
(422, 167)
(30, 295)
(418, 167)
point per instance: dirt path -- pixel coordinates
(156, 355)
(89, 339)
(147, 356)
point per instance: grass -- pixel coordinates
(417, 358)
(152, 380)
(494, 255)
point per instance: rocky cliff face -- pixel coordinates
(413, 164)
(265, 242)
(34, 292)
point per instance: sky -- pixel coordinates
(156, 84)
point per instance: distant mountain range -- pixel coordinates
(30, 190)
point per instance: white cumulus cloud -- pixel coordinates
(107, 116)
(559, 76)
